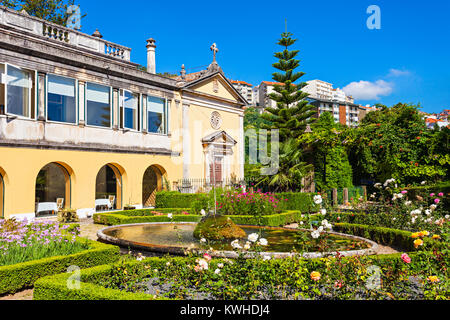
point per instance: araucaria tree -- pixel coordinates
(291, 116)
(293, 112)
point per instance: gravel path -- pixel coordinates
(23, 295)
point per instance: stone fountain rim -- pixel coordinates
(232, 254)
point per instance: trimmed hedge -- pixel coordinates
(14, 278)
(303, 202)
(296, 200)
(384, 236)
(276, 220)
(123, 217)
(175, 199)
(55, 287)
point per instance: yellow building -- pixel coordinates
(83, 127)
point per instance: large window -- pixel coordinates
(156, 115)
(61, 102)
(130, 110)
(16, 95)
(98, 105)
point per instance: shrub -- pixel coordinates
(236, 202)
(297, 201)
(218, 228)
(174, 199)
(68, 215)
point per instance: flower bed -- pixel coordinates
(14, 278)
(121, 218)
(415, 276)
(22, 242)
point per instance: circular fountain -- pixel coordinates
(176, 238)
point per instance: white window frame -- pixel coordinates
(30, 91)
(111, 102)
(164, 117)
(76, 100)
(122, 113)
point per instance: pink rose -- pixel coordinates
(404, 192)
(441, 194)
(432, 194)
(207, 257)
(406, 258)
(437, 201)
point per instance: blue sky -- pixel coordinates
(407, 60)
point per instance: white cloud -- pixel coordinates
(398, 73)
(366, 90)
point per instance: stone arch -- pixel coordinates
(53, 182)
(153, 181)
(109, 182)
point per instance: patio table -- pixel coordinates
(47, 206)
(103, 203)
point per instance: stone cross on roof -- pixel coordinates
(214, 49)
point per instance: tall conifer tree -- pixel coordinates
(293, 112)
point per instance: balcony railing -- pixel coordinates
(30, 24)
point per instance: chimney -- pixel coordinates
(151, 60)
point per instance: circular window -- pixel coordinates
(216, 120)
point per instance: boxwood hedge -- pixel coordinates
(398, 239)
(120, 218)
(174, 199)
(14, 278)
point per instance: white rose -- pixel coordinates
(263, 242)
(315, 234)
(318, 199)
(267, 258)
(253, 237)
(203, 240)
(170, 216)
(217, 271)
(235, 244)
(203, 212)
(323, 212)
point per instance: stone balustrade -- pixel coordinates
(24, 22)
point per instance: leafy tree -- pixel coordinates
(327, 142)
(51, 10)
(253, 119)
(293, 112)
(395, 143)
(291, 170)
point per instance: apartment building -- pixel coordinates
(245, 89)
